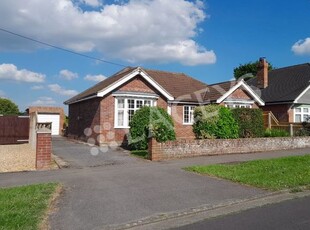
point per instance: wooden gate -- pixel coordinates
(14, 129)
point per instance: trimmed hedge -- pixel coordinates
(214, 121)
(250, 122)
(149, 121)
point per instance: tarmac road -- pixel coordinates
(288, 215)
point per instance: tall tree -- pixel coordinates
(248, 70)
(7, 107)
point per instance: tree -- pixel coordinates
(7, 107)
(248, 70)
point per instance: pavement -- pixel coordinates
(113, 189)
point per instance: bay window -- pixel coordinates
(126, 108)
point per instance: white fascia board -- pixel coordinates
(135, 95)
(83, 99)
(239, 101)
(129, 77)
(247, 88)
(300, 95)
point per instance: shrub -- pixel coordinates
(250, 122)
(276, 133)
(305, 130)
(149, 121)
(214, 121)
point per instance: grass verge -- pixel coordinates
(140, 153)
(275, 174)
(25, 207)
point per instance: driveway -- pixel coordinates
(82, 155)
(131, 189)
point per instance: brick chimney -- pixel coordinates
(262, 73)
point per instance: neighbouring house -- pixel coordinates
(54, 115)
(101, 114)
(286, 91)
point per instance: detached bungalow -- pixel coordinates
(101, 114)
(286, 91)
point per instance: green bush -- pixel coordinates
(305, 130)
(250, 122)
(276, 133)
(214, 121)
(149, 121)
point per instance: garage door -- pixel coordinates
(54, 118)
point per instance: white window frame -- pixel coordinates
(126, 109)
(301, 113)
(238, 105)
(191, 109)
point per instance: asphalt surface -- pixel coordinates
(288, 215)
(114, 188)
(82, 155)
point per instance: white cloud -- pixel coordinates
(96, 78)
(134, 30)
(44, 101)
(62, 91)
(37, 87)
(67, 75)
(302, 47)
(10, 72)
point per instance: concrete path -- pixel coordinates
(113, 194)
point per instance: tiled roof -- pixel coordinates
(101, 85)
(215, 91)
(284, 84)
(176, 84)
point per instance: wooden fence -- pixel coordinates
(271, 122)
(14, 129)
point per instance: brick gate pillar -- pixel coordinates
(43, 149)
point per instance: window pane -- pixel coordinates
(130, 114)
(120, 118)
(306, 110)
(297, 118)
(191, 114)
(298, 110)
(186, 114)
(305, 117)
(131, 103)
(120, 103)
(147, 103)
(139, 104)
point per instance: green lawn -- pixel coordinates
(274, 174)
(24, 207)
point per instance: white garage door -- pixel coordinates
(54, 118)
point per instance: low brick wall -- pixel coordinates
(190, 148)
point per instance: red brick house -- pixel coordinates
(101, 114)
(285, 91)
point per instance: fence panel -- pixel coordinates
(14, 129)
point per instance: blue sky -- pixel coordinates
(204, 39)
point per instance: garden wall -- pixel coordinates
(189, 148)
